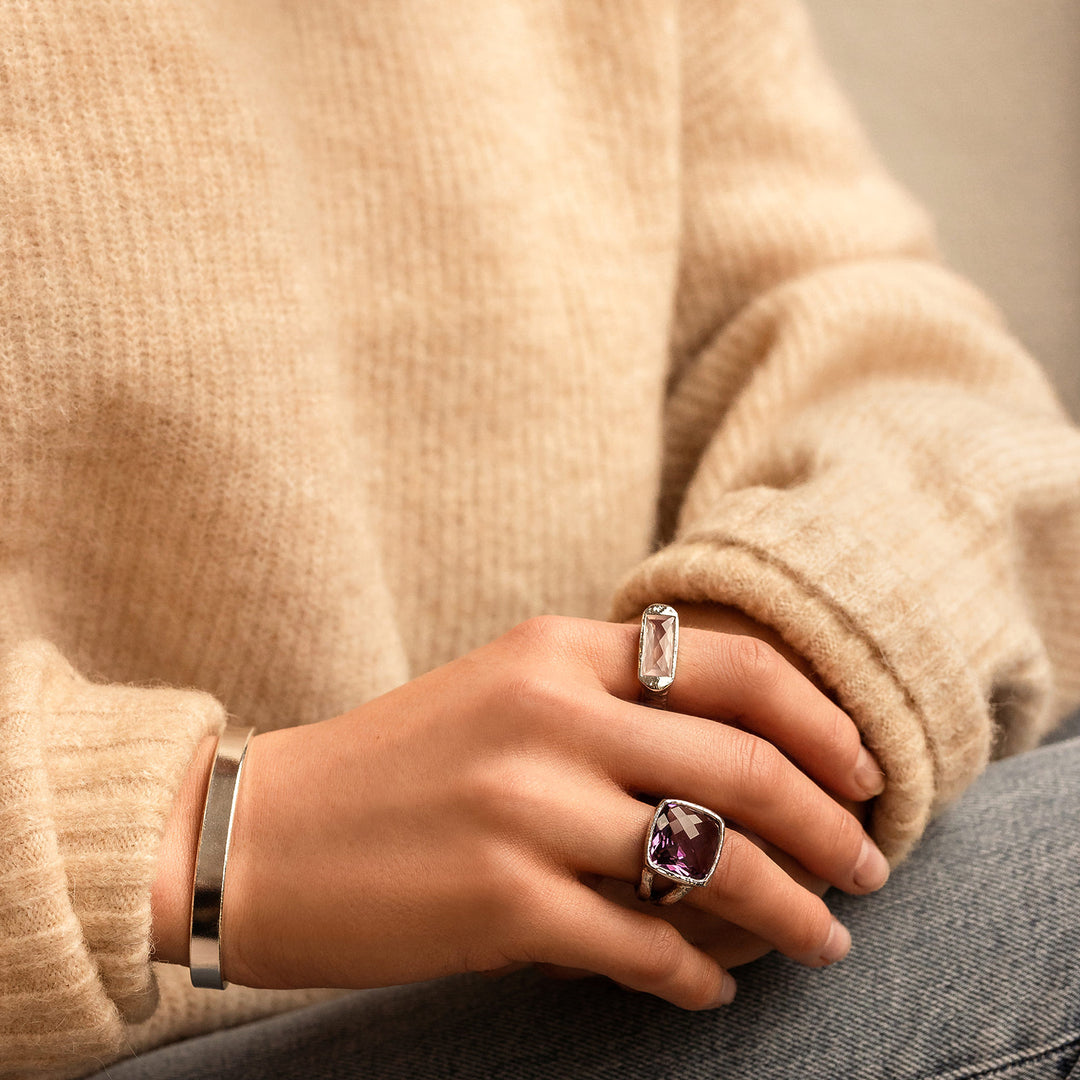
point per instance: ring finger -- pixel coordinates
(747, 887)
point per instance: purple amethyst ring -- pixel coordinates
(683, 845)
(658, 651)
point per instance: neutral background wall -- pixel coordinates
(975, 105)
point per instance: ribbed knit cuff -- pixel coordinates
(88, 776)
(915, 675)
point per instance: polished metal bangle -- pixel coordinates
(209, 885)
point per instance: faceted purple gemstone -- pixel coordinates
(684, 841)
(659, 646)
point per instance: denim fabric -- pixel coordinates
(966, 965)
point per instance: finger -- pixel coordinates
(739, 776)
(744, 680)
(729, 945)
(792, 867)
(746, 888)
(725, 942)
(635, 949)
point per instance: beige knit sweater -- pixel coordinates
(337, 337)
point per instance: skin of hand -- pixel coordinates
(728, 944)
(456, 823)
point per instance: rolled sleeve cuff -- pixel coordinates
(868, 629)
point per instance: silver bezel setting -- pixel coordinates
(683, 883)
(657, 684)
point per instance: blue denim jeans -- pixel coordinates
(966, 964)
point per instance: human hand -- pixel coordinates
(450, 824)
(730, 945)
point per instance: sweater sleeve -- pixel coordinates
(856, 451)
(88, 773)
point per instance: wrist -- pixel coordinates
(170, 894)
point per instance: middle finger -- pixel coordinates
(741, 679)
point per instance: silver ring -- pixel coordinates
(683, 845)
(658, 653)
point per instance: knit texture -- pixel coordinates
(336, 338)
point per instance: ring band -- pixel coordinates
(658, 653)
(683, 845)
(208, 887)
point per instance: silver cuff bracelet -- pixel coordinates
(209, 885)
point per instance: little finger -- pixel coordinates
(634, 949)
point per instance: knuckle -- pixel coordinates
(530, 706)
(761, 766)
(505, 794)
(847, 837)
(540, 632)
(660, 958)
(843, 738)
(754, 663)
(485, 792)
(534, 691)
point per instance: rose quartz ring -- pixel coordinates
(683, 845)
(658, 651)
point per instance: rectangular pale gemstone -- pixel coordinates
(659, 649)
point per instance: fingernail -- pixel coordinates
(727, 991)
(867, 774)
(838, 944)
(872, 869)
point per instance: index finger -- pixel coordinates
(742, 680)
